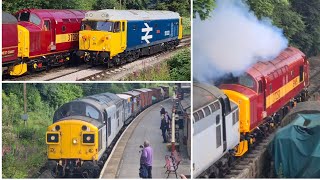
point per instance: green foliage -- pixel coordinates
(180, 66)
(24, 146)
(203, 8)
(103, 4)
(310, 12)
(160, 72)
(299, 19)
(186, 23)
(180, 6)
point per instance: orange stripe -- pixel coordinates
(282, 91)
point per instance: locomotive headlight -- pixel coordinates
(88, 139)
(94, 38)
(52, 138)
(75, 141)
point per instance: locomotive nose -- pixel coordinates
(243, 103)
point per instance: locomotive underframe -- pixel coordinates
(40, 63)
(98, 58)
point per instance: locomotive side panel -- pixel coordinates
(9, 45)
(150, 32)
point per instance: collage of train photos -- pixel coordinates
(163, 89)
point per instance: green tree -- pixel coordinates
(309, 40)
(180, 66)
(103, 4)
(203, 8)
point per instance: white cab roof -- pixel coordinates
(112, 14)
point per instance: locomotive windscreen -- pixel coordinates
(244, 80)
(97, 25)
(26, 16)
(76, 109)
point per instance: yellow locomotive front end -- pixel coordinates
(101, 42)
(72, 147)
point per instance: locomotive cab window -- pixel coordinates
(77, 109)
(134, 27)
(63, 28)
(247, 81)
(116, 27)
(35, 19)
(46, 25)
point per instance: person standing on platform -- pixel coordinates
(147, 157)
(168, 119)
(164, 128)
(162, 111)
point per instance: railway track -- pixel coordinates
(45, 173)
(86, 72)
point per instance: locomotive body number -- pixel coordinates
(63, 38)
(73, 37)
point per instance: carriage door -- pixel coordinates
(48, 35)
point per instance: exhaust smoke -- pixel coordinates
(231, 40)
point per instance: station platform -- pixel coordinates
(124, 161)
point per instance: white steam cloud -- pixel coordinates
(232, 40)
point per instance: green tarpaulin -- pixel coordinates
(295, 148)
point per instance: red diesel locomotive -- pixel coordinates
(266, 92)
(9, 45)
(45, 38)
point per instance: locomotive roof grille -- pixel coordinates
(205, 94)
(112, 14)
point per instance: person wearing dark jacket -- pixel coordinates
(162, 111)
(163, 128)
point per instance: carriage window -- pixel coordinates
(196, 117)
(207, 111)
(213, 109)
(46, 25)
(217, 105)
(301, 74)
(123, 27)
(35, 19)
(117, 114)
(217, 119)
(218, 135)
(201, 115)
(116, 27)
(109, 126)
